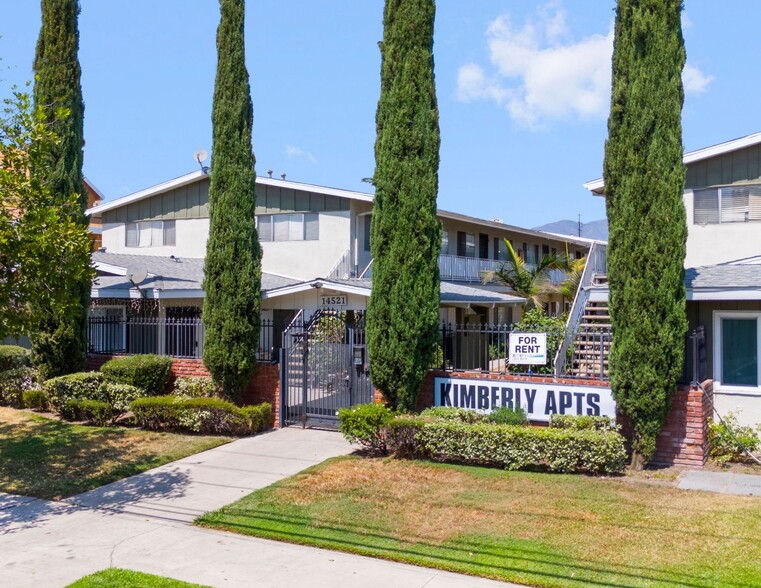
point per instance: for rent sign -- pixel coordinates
(528, 348)
(540, 401)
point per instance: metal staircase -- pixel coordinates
(586, 345)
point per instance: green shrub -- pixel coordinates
(35, 398)
(504, 415)
(197, 387)
(13, 356)
(724, 447)
(14, 382)
(200, 415)
(157, 413)
(118, 396)
(259, 416)
(77, 386)
(364, 424)
(514, 448)
(583, 422)
(452, 413)
(95, 412)
(152, 373)
(402, 437)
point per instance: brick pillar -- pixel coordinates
(684, 438)
(265, 387)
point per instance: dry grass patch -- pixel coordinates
(545, 529)
(51, 459)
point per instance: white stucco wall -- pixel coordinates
(309, 300)
(191, 236)
(719, 243)
(747, 407)
(305, 260)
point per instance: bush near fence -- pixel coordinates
(200, 415)
(151, 373)
(447, 435)
(13, 356)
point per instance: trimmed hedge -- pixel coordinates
(13, 356)
(197, 387)
(515, 448)
(151, 373)
(583, 422)
(200, 415)
(77, 386)
(95, 412)
(15, 382)
(364, 424)
(35, 398)
(452, 413)
(504, 415)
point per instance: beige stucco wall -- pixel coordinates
(191, 239)
(719, 243)
(305, 260)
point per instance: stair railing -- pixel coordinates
(594, 265)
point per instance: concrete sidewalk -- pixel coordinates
(721, 482)
(142, 523)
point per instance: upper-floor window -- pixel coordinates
(727, 205)
(151, 233)
(368, 222)
(500, 249)
(289, 227)
(445, 241)
(466, 244)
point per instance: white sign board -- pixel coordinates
(528, 348)
(540, 401)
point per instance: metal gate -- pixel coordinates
(323, 367)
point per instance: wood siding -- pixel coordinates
(738, 167)
(192, 201)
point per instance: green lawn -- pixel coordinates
(50, 459)
(117, 578)
(531, 528)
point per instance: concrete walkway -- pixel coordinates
(721, 482)
(143, 523)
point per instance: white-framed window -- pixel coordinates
(288, 227)
(736, 349)
(151, 234)
(731, 204)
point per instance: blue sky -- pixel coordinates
(523, 91)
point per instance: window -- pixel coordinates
(727, 205)
(288, 227)
(466, 244)
(736, 337)
(151, 234)
(444, 241)
(483, 246)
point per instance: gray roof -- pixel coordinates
(723, 276)
(184, 273)
(450, 292)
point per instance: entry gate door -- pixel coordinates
(323, 368)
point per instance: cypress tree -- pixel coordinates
(644, 179)
(405, 235)
(232, 279)
(59, 346)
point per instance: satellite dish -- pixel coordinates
(200, 156)
(136, 274)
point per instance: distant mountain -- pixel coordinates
(592, 230)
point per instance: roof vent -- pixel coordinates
(269, 172)
(282, 176)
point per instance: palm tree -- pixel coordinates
(532, 282)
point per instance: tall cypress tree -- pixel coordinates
(59, 347)
(644, 179)
(232, 279)
(405, 235)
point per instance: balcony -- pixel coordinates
(465, 269)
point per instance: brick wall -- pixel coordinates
(683, 440)
(263, 387)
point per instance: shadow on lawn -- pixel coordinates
(460, 554)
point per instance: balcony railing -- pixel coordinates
(465, 269)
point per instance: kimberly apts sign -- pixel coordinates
(540, 401)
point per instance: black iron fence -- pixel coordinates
(175, 337)
(485, 348)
